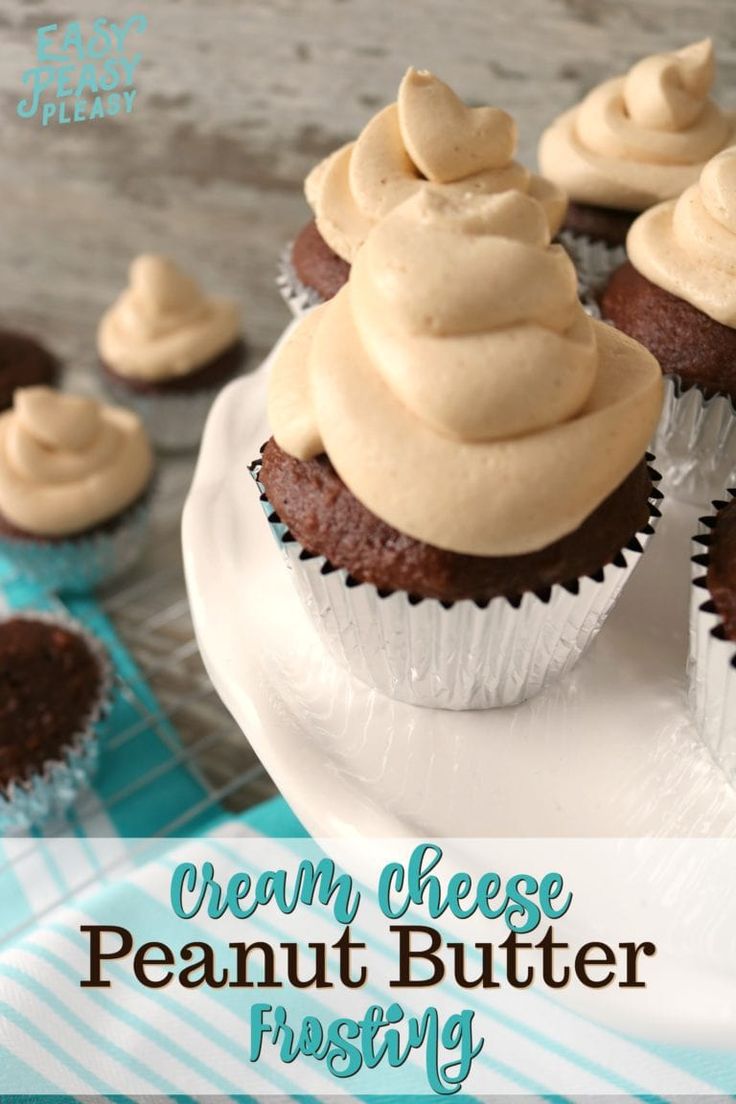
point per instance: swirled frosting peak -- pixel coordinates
(68, 463)
(163, 326)
(429, 135)
(688, 246)
(641, 138)
(457, 385)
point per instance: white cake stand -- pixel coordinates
(610, 751)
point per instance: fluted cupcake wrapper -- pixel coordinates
(48, 792)
(174, 419)
(594, 261)
(455, 655)
(81, 564)
(711, 660)
(695, 443)
(298, 297)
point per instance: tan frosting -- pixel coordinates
(688, 246)
(163, 326)
(429, 135)
(457, 385)
(68, 463)
(642, 138)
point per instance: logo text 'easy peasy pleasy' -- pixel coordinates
(83, 76)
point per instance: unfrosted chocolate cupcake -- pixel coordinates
(24, 362)
(166, 350)
(634, 141)
(458, 482)
(54, 687)
(428, 136)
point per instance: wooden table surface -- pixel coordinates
(237, 99)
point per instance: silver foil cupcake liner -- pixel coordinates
(594, 261)
(695, 443)
(711, 660)
(455, 655)
(84, 563)
(52, 790)
(174, 420)
(298, 297)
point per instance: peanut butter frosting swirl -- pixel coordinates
(163, 326)
(688, 246)
(641, 138)
(457, 385)
(68, 463)
(429, 135)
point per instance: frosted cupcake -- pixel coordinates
(677, 295)
(634, 141)
(457, 475)
(75, 482)
(428, 136)
(54, 689)
(167, 349)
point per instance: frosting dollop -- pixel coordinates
(429, 135)
(688, 246)
(162, 326)
(68, 463)
(641, 138)
(457, 385)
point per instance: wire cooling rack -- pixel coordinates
(186, 761)
(150, 611)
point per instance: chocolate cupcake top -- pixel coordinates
(429, 135)
(688, 246)
(50, 686)
(68, 463)
(638, 139)
(163, 326)
(458, 387)
(23, 363)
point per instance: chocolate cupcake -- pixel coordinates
(54, 688)
(428, 137)
(24, 362)
(634, 141)
(677, 295)
(166, 350)
(457, 475)
(75, 486)
(712, 658)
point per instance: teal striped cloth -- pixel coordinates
(128, 799)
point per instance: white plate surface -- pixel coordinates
(609, 751)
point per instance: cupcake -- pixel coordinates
(75, 485)
(166, 350)
(634, 141)
(677, 295)
(54, 688)
(428, 136)
(712, 660)
(24, 362)
(457, 473)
